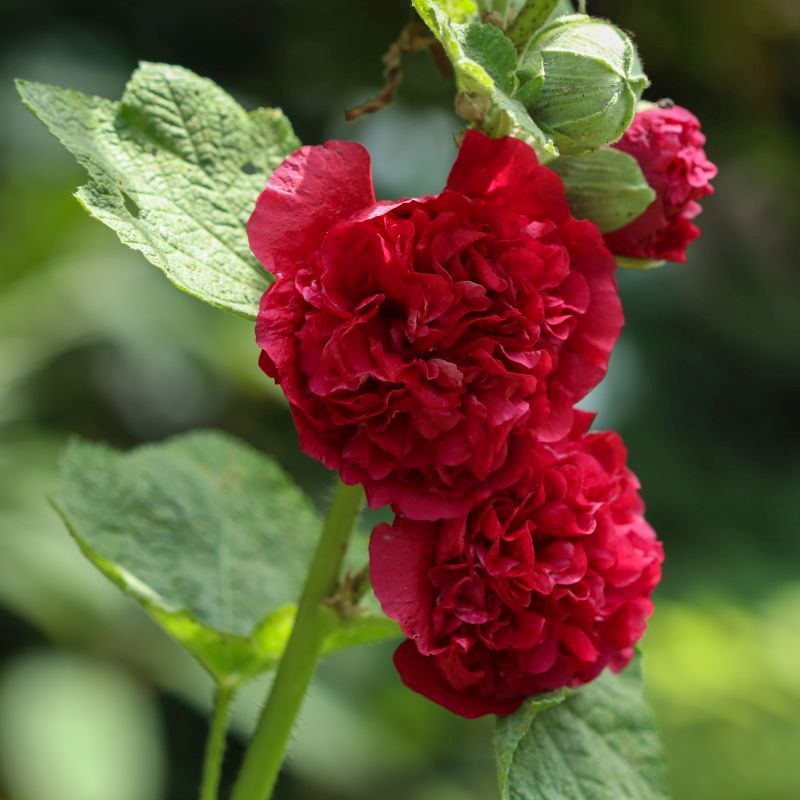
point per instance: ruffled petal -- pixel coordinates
(314, 188)
(668, 145)
(506, 172)
(537, 588)
(399, 561)
(420, 674)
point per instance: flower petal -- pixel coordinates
(507, 172)
(420, 674)
(314, 188)
(399, 562)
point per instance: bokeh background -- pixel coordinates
(96, 703)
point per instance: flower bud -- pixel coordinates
(667, 143)
(581, 79)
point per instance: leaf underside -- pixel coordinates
(211, 537)
(641, 264)
(174, 169)
(606, 186)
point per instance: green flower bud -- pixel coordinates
(580, 79)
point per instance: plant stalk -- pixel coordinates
(264, 756)
(215, 744)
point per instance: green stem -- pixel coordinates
(264, 756)
(215, 744)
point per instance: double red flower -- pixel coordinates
(535, 588)
(433, 350)
(415, 340)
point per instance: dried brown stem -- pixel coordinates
(413, 38)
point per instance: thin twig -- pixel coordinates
(413, 38)
(351, 589)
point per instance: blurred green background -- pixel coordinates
(97, 704)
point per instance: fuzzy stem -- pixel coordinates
(264, 756)
(215, 744)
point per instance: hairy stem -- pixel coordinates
(215, 744)
(265, 754)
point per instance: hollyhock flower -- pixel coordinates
(536, 588)
(668, 144)
(416, 339)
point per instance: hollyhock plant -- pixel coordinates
(667, 142)
(433, 351)
(420, 341)
(536, 588)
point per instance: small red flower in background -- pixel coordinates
(420, 341)
(536, 588)
(668, 145)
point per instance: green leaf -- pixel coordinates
(211, 537)
(460, 10)
(595, 743)
(530, 18)
(510, 730)
(606, 186)
(488, 46)
(642, 264)
(174, 169)
(92, 720)
(562, 8)
(366, 627)
(484, 61)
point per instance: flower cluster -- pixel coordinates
(433, 349)
(417, 340)
(667, 142)
(535, 588)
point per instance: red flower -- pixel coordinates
(534, 589)
(416, 339)
(668, 145)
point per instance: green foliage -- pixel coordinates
(484, 61)
(488, 46)
(460, 10)
(95, 726)
(530, 18)
(174, 169)
(211, 537)
(641, 264)
(595, 743)
(511, 730)
(606, 186)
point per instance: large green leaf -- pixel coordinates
(174, 169)
(596, 743)
(606, 186)
(211, 537)
(484, 60)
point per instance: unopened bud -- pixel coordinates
(581, 79)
